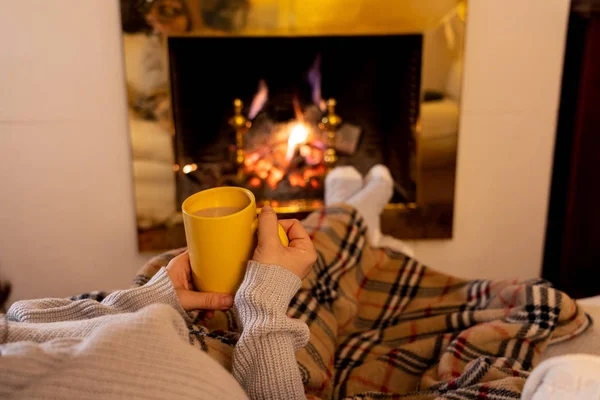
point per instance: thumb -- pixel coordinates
(268, 230)
(204, 300)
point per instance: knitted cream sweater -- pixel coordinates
(135, 345)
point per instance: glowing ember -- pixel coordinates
(262, 168)
(298, 135)
(274, 177)
(255, 182)
(314, 172)
(297, 180)
(251, 159)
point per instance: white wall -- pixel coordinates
(513, 66)
(67, 220)
(66, 203)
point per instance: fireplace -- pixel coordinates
(270, 95)
(265, 112)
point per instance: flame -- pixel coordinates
(298, 135)
(314, 78)
(259, 100)
(297, 109)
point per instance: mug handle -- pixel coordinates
(282, 235)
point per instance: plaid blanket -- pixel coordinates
(384, 326)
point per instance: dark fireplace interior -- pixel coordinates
(283, 83)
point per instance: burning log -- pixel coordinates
(314, 172)
(278, 156)
(251, 158)
(262, 167)
(313, 156)
(297, 180)
(275, 176)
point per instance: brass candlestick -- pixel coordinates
(330, 124)
(241, 125)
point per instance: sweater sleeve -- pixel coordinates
(158, 290)
(264, 360)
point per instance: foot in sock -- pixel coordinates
(341, 184)
(376, 192)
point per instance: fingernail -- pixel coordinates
(226, 301)
(267, 208)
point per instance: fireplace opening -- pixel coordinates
(259, 112)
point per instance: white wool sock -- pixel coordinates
(372, 198)
(341, 184)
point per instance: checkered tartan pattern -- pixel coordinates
(384, 326)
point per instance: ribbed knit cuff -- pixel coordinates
(269, 287)
(263, 361)
(263, 299)
(161, 286)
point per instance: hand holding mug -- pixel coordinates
(220, 226)
(298, 257)
(180, 273)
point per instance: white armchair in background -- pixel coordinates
(151, 144)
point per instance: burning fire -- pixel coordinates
(298, 135)
(300, 160)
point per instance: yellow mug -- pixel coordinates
(220, 227)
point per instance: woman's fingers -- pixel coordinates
(178, 251)
(204, 300)
(296, 233)
(268, 232)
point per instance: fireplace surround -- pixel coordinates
(273, 101)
